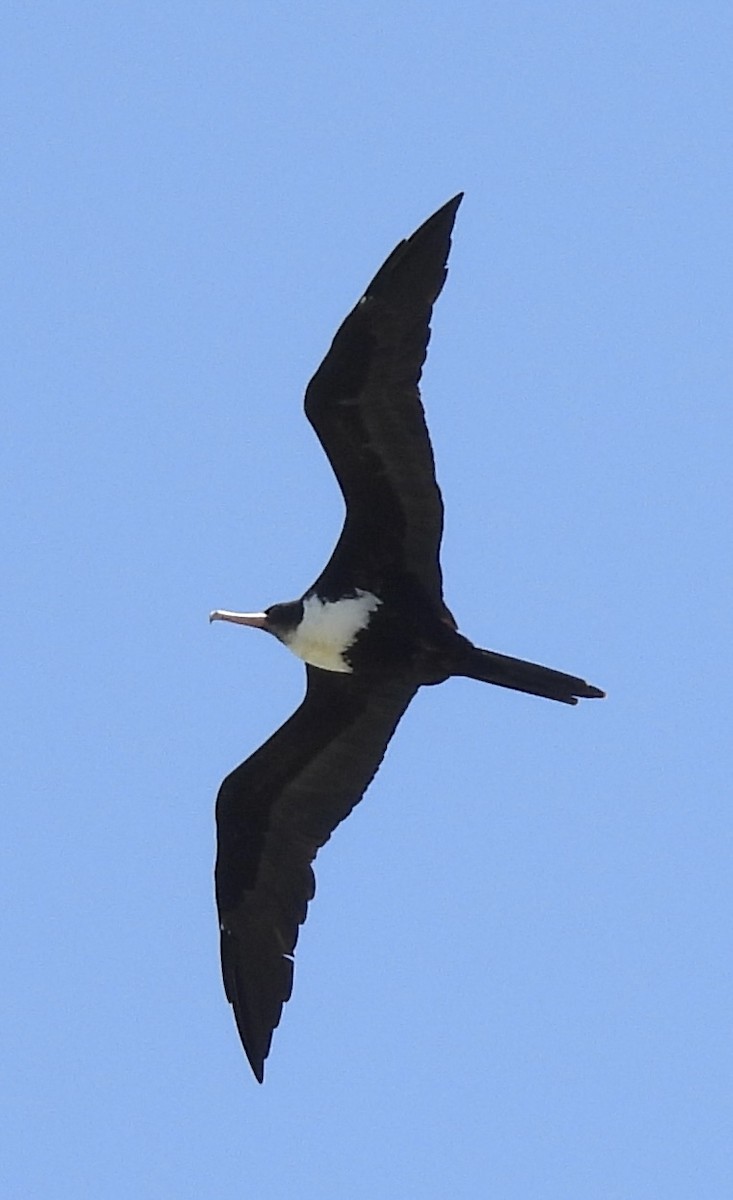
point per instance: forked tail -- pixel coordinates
(521, 676)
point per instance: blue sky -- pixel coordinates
(516, 978)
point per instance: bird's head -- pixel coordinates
(279, 619)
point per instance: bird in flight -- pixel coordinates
(372, 629)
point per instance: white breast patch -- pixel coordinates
(328, 628)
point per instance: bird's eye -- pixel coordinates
(282, 616)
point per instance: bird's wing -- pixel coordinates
(273, 814)
(364, 404)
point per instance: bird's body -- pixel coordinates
(372, 629)
(328, 629)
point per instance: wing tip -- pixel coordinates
(445, 215)
(257, 1064)
(419, 262)
(257, 997)
(256, 1048)
(454, 202)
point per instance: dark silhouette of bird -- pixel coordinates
(372, 629)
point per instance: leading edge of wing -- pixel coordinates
(364, 404)
(273, 814)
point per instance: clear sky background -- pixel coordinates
(516, 978)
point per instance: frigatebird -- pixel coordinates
(372, 629)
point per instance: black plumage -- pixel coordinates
(279, 807)
(274, 812)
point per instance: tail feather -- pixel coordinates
(521, 676)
